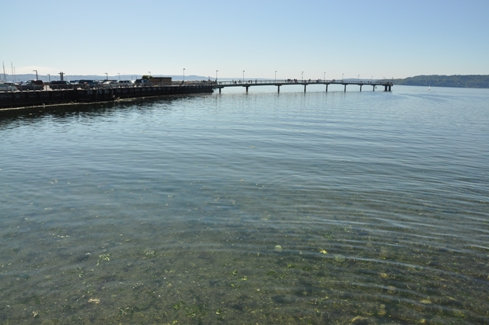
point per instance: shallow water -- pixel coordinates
(358, 207)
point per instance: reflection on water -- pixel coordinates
(357, 208)
(89, 110)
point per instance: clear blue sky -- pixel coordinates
(369, 38)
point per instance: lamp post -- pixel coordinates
(324, 76)
(183, 74)
(216, 75)
(36, 74)
(243, 77)
(275, 75)
(106, 76)
(302, 76)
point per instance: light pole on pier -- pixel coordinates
(183, 74)
(302, 76)
(216, 75)
(275, 75)
(106, 76)
(36, 74)
(243, 77)
(324, 76)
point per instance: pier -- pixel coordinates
(386, 85)
(48, 96)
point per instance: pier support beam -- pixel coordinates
(305, 88)
(278, 89)
(247, 88)
(373, 88)
(220, 88)
(327, 87)
(361, 88)
(344, 89)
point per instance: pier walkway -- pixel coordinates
(387, 85)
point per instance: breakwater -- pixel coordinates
(18, 99)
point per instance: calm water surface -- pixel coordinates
(341, 208)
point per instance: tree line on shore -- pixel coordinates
(463, 81)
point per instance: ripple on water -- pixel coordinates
(327, 208)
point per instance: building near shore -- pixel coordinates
(153, 81)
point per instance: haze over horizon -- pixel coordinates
(374, 39)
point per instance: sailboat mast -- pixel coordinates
(13, 73)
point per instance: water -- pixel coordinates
(356, 208)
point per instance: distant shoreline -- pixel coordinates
(456, 81)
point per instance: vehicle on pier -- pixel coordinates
(87, 84)
(110, 84)
(8, 86)
(60, 84)
(32, 85)
(125, 83)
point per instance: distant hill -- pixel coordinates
(463, 81)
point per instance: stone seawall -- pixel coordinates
(73, 96)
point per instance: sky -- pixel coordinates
(263, 38)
